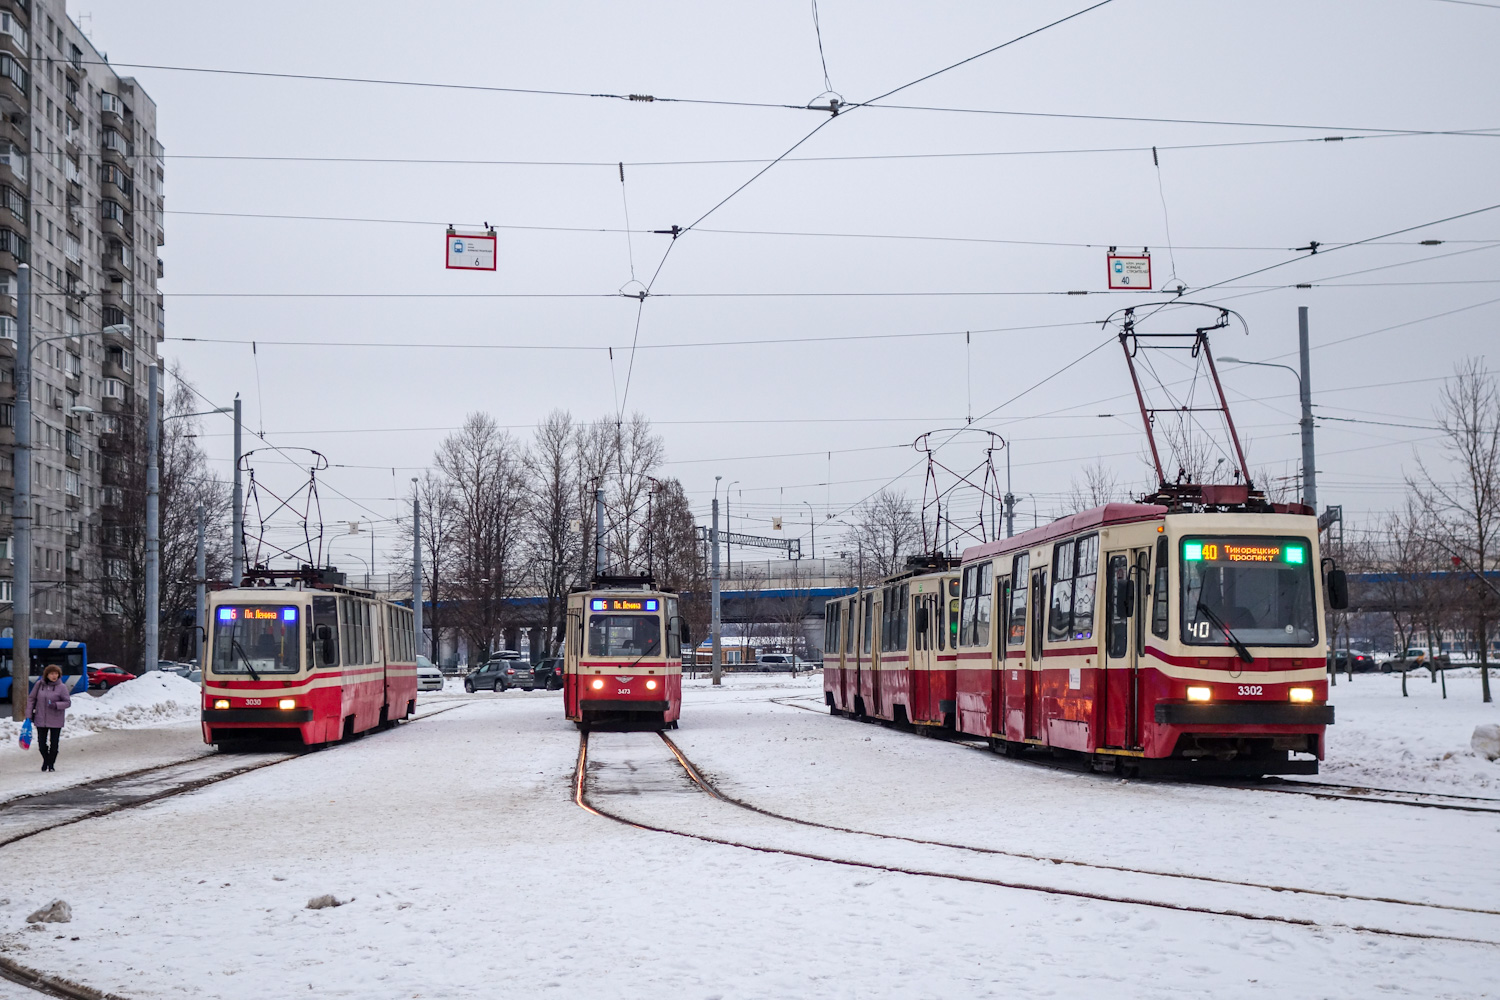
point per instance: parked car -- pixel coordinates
(549, 674)
(173, 667)
(1416, 659)
(107, 675)
(1356, 660)
(429, 677)
(195, 675)
(771, 662)
(501, 674)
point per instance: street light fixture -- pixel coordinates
(1309, 473)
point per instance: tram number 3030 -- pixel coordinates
(1252, 690)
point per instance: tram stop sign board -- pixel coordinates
(1129, 273)
(468, 252)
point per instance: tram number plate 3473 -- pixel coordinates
(1253, 690)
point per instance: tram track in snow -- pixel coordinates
(582, 797)
(119, 793)
(1287, 786)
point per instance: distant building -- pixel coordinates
(81, 181)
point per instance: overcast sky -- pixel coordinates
(813, 418)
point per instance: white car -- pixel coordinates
(429, 677)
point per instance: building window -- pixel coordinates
(5, 592)
(12, 243)
(114, 389)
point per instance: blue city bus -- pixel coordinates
(72, 657)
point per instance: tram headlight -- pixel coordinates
(286, 703)
(1300, 694)
(650, 685)
(1200, 693)
(221, 703)
(598, 684)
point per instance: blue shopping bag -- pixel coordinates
(26, 735)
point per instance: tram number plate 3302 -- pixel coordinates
(1253, 690)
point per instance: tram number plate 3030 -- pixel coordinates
(1252, 690)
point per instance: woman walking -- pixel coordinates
(47, 708)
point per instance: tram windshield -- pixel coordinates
(624, 635)
(1256, 590)
(256, 639)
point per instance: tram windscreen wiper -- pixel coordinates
(1239, 647)
(234, 644)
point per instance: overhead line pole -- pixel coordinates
(237, 524)
(151, 650)
(20, 663)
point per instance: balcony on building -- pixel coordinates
(116, 149)
(116, 303)
(13, 162)
(114, 220)
(15, 84)
(119, 260)
(115, 370)
(118, 332)
(112, 110)
(74, 65)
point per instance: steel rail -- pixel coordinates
(1353, 793)
(56, 986)
(580, 797)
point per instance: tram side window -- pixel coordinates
(903, 606)
(968, 601)
(1117, 637)
(325, 616)
(830, 628)
(1159, 591)
(851, 624)
(1020, 580)
(984, 604)
(869, 600)
(1075, 575)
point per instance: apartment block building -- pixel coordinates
(81, 194)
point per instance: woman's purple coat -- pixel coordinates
(47, 705)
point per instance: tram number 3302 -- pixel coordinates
(1252, 689)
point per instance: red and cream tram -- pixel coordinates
(622, 661)
(890, 652)
(1147, 640)
(307, 660)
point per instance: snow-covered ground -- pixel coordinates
(471, 873)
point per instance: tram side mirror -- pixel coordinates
(922, 621)
(1338, 590)
(188, 619)
(683, 632)
(1124, 598)
(329, 648)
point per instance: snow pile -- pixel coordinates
(1486, 741)
(1421, 742)
(150, 699)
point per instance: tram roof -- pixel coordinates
(1110, 513)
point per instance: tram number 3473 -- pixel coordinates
(1252, 689)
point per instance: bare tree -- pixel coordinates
(552, 542)
(1101, 485)
(437, 539)
(1464, 511)
(482, 466)
(885, 531)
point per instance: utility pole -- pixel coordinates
(1309, 464)
(20, 663)
(416, 569)
(715, 625)
(153, 519)
(599, 563)
(1010, 499)
(237, 526)
(200, 591)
